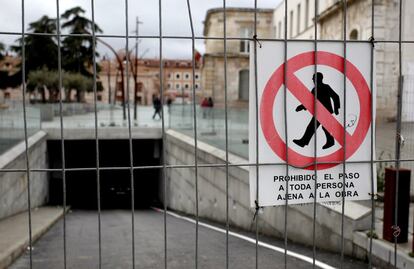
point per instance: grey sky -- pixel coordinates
(110, 16)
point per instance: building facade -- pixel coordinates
(177, 80)
(240, 23)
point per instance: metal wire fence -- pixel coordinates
(196, 125)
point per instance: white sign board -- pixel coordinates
(335, 130)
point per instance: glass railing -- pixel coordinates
(211, 126)
(12, 124)
(107, 116)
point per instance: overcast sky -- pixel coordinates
(110, 16)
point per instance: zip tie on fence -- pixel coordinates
(397, 230)
(372, 40)
(257, 209)
(257, 40)
(401, 138)
(373, 194)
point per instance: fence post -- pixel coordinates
(389, 230)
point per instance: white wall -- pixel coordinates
(306, 25)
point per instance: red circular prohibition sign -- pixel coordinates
(299, 90)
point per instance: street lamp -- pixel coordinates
(136, 67)
(106, 58)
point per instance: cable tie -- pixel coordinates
(257, 208)
(373, 194)
(257, 40)
(397, 230)
(401, 138)
(372, 40)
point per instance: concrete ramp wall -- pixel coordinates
(212, 199)
(13, 185)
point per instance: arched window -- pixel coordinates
(353, 35)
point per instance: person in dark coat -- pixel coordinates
(210, 102)
(324, 95)
(156, 102)
(169, 103)
(204, 106)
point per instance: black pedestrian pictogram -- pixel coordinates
(324, 95)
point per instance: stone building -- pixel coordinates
(177, 80)
(240, 23)
(330, 26)
(111, 78)
(300, 19)
(386, 28)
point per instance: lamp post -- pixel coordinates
(106, 58)
(138, 22)
(111, 112)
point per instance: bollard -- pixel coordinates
(400, 230)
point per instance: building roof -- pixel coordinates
(177, 63)
(232, 9)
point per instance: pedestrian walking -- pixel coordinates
(156, 102)
(204, 106)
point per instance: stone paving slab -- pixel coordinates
(14, 231)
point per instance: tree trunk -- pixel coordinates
(43, 94)
(78, 96)
(67, 97)
(50, 95)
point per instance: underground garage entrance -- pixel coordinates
(115, 176)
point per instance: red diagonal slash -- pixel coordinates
(305, 97)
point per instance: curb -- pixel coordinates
(14, 251)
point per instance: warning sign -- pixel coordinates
(314, 109)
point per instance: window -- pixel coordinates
(197, 76)
(244, 44)
(177, 86)
(353, 35)
(280, 29)
(306, 14)
(291, 25)
(169, 75)
(244, 85)
(186, 86)
(187, 76)
(169, 86)
(197, 86)
(177, 75)
(298, 20)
